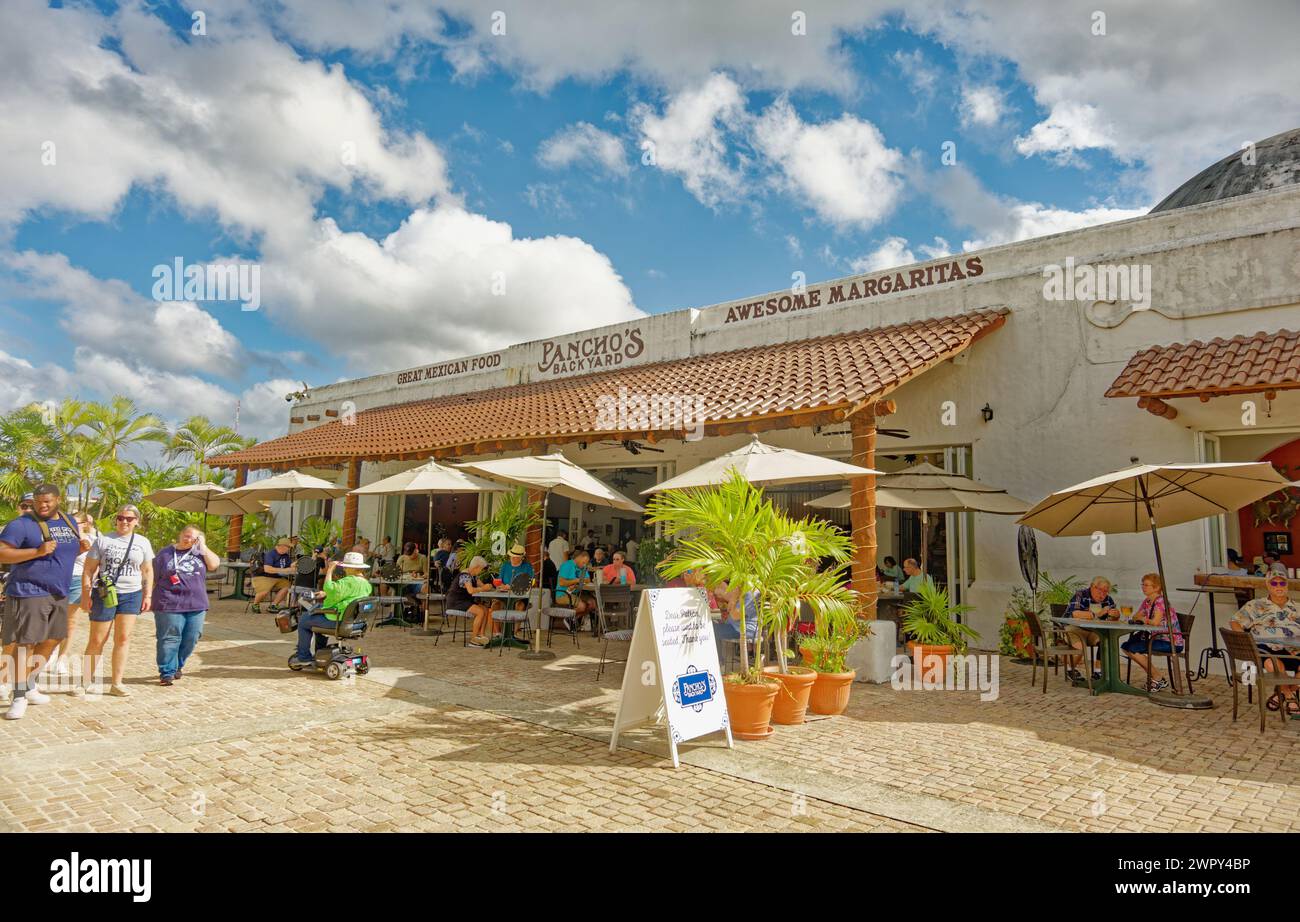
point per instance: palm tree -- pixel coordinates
(198, 437)
(27, 444)
(118, 425)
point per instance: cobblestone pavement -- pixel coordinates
(441, 737)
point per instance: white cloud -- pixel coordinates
(237, 124)
(1173, 87)
(1070, 127)
(107, 315)
(263, 411)
(1002, 219)
(893, 252)
(918, 71)
(689, 138)
(172, 395)
(842, 169)
(981, 105)
(448, 282)
(22, 383)
(583, 143)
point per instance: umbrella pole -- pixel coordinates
(1174, 698)
(536, 651)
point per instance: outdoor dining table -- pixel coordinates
(388, 601)
(1110, 632)
(508, 631)
(240, 569)
(400, 581)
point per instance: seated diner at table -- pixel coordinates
(1275, 615)
(1152, 611)
(618, 571)
(514, 565)
(272, 574)
(891, 570)
(568, 592)
(915, 577)
(411, 561)
(466, 584)
(1093, 601)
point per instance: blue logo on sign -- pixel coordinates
(694, 689)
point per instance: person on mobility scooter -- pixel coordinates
(341, 597)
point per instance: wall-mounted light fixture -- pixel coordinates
(987, 412)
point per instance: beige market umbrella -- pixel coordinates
(429, 479)
(925, 488)
(761, 463)
(553, 474)
(1145, 496)
(290, 487)
(208, 498)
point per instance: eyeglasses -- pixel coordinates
(126, 518)
(1277, 582)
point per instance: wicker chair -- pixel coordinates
(1055, 645)
(1243, 652)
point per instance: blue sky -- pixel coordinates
(519, 151)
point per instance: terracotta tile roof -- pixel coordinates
(1263, 361)
(762, 381)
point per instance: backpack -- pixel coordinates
(45, 526)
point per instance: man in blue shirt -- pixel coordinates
(40, 550)
(273, 576)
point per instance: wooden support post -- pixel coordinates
(350, 505)
(862, 509)
(535, 535)
(235, 531)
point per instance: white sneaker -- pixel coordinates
(17, 709)
(36, 696)
(119, 691)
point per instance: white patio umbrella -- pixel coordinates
(761, 463)
(553, 474)
(429, 479)
(1146, 496)
(208, 498)
(290, 486)
(925, 488)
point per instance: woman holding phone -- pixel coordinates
(180, 599)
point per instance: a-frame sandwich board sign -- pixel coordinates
(672, 670)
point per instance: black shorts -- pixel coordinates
(34, 619)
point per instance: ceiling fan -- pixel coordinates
(633, 446)
(880, 430)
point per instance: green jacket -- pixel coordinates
(340, 593)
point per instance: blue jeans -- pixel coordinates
(724, 631)
(305, 624)
(178, 633)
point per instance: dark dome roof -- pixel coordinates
(1277, 163)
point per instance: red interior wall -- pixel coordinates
(1252, 539)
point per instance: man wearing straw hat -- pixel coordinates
(338, 594)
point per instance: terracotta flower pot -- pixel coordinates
(792, 700)
(930, 661)
(830, 692)
(750, 709)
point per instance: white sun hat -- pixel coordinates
(353, 560)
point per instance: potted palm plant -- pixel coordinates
(834, 680)
(1058, 593)
(509, 522)
(931, 622)
(731, 535)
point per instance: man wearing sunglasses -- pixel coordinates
(40, 548)
(1276, 616)
(118, 578)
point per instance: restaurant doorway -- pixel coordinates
(450, 513)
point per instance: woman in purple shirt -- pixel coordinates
(180, 599)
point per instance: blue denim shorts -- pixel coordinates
(74, 592)
(128, 603)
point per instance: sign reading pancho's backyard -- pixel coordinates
(591, 353)
(856, 290)
(672, 669)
